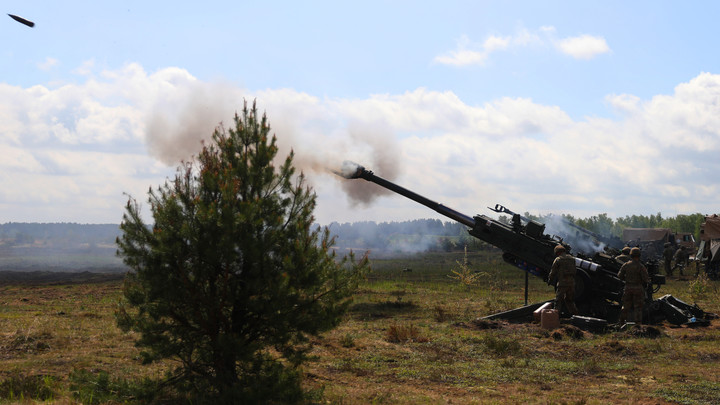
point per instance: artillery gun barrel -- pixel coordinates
(523, 246)
(362, 173)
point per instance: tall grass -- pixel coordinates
(18, 386)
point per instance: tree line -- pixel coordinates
(436, 235)
(604, 225)
(403, 236)
(62, 234)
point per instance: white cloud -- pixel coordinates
(427, 112)
(624, 103)
(534, 157)
(462, 57)
(86, 68)
(71, 151)
(493, 43)
(689, 119)
(48, 64)
(583, 46)
(468, 53)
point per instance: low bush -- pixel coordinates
(19, 386)
(100, 388)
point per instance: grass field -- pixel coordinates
(412, 336)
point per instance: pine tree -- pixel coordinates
(232, 278)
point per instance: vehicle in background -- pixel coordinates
(709, 250)
(651, 241)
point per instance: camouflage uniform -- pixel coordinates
(635, 275)
(668, 256)
(625, 256)
(563, 269)
(681, 259)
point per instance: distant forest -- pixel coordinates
(433, 234)
(59, 247)
(58, 234)
(407, 236)
(76, 246)
(605, 225)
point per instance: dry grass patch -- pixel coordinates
(404, 333)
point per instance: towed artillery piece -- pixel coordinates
(598, 290)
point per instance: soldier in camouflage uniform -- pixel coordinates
(668, 253)
(625, 256)
(635, 276)
(563, 269)
(682, 259)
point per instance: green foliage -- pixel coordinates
(446, 244)
(464, 274)
(685, 223)
(19, 386)
(470, 242)
(501, 346)
(700, 287)
(347, 340)
(100, 388)
(232, 278)
(451, 236)
(601, 224)
(700, 392)
(680, 223)
(605, 225)
(440, 314)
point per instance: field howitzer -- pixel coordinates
(598, 290)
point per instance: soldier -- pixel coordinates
(681, 259)
(668, 253)
(635, 276)
(625, 256)
(563, 269)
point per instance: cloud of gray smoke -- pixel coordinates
(579, 241)
(189, 114)
(176, 127)
(383, 160)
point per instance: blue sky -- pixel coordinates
(546, 107)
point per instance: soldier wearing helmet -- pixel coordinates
(635, 276)
(668, 254)
(625, 256)
(563, 269)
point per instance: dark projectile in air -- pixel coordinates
(22, 20)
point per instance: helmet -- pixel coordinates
(635, 252)
(626, 250)
(559, 248)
